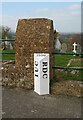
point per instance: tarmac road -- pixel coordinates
(20, 103)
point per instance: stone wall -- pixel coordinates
(32, 36)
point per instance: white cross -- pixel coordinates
(74, 50)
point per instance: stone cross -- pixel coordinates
(74, 50)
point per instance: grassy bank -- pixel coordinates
(63, 60)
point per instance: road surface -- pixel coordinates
(20, 103)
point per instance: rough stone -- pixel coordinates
(32, 36)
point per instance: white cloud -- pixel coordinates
(75, 7)
(67, 19)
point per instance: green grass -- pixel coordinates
(76, 64)
(7, 56)
(66, 75)
(62, 60)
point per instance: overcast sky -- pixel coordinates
(66, 16)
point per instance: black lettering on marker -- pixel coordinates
(45, 69)
(45, 76)
(36, 69)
